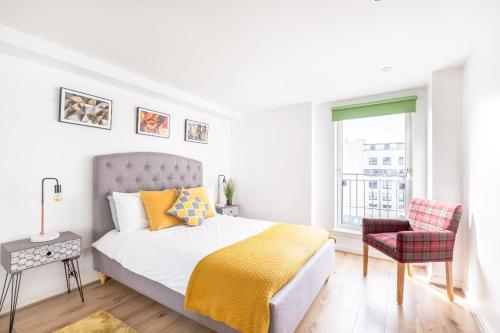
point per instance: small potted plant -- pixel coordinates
(229, 188)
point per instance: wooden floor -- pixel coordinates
(347, 303)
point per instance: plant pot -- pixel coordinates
(229, 202)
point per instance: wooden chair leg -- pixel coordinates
(449, 280)
(401, 282)
(102, 278)
(410, 270)
(365, 259)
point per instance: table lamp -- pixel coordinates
(43, 237)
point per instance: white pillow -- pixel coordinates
(112, 207)
(130, 211)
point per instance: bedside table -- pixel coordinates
(22, 255)
(232, 210)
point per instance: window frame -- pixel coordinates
(408, 171)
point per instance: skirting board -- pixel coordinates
(483, 324)
(441, 281)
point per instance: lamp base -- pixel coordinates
(44, 238)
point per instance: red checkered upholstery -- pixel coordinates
(428, 234)
(385, 242)
(431, 215)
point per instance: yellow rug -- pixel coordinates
(100, 322)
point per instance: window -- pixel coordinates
(368, 184)
(401, 160)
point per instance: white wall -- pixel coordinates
(271, 161)
(323, 167)
(445, 149)
(481, 183)
(34, 145)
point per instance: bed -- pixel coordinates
(131, 172)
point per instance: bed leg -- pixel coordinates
(102, 277)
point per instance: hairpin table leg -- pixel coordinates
(14, 293)
(14, 283)
(5, 290)
(66, 275)
(72, 270)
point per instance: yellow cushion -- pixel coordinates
(189, 208)
(201, 192)
(156, 204)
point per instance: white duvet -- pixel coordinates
(169, 256)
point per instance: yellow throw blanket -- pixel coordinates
(235, 284)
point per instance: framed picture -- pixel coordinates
(84, 109)
(153, 123)
(196, 131)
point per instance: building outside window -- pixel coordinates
(401, 160)
(373, 184)
(373, 196)
(387, 185)
(386, 196)
(387, 161)
(372, 161)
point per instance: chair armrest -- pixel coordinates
(425, 246)
(376, 226)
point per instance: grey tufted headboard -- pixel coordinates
(131, 172)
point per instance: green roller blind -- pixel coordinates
(374, 109)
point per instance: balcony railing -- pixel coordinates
(371, 196)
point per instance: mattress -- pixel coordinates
(168, 256)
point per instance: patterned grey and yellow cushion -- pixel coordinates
(189, 208)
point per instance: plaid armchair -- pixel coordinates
(427, 235)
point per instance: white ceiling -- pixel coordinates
(258, 54)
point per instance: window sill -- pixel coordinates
(347, 232)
